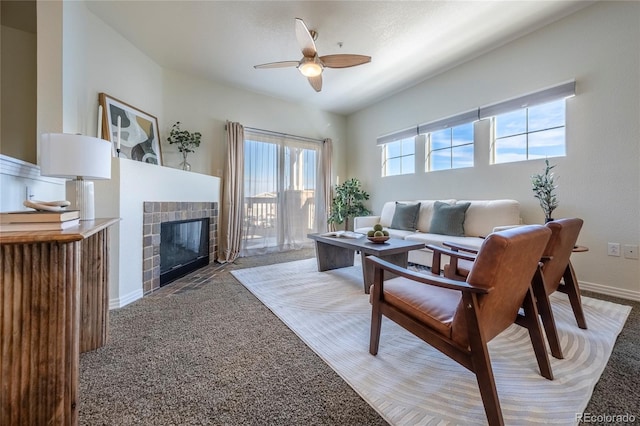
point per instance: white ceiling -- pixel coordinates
(408, 41)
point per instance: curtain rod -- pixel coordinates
(270, 132)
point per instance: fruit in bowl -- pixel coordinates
(378, 234)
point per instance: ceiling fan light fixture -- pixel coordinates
(311, 65)
(310, 68)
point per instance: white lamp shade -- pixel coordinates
(71, 156)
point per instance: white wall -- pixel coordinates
(599, 179)
(98, 59)
(203, 106)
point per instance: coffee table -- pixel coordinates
(339, 252)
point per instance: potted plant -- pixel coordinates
(543, 189)
(347, 203)
(186, 141)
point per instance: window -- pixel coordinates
(530, 133)
(450, 148)
(399, 157)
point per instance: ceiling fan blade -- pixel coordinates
(344, 60)
(282, 64)
(305, 40)
(316, 82)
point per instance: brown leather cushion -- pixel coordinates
(431, 305)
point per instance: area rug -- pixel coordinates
(410, 383)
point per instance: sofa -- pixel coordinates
(465, 222)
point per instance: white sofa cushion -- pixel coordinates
(386, 215)
(484, 215)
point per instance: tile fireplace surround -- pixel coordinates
(157, 212)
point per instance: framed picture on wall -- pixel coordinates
(131, 130)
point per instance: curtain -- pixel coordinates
(283, 192)
(325, 189)
(232, 195)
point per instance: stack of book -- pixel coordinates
(39, 220)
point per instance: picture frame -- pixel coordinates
(138, 137)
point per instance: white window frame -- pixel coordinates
(551, 94)
(526, 133)
(385, 157)
(429, 150)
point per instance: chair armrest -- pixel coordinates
(434, 280)
(436, 259)
(365, 221)
(462, 247)
(453, 253)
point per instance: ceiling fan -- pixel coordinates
(311, 65)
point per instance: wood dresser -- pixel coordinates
(54, 297)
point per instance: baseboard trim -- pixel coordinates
(610, 291)
(124, 301)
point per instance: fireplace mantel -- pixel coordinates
(132, 183)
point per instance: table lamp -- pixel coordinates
(76, 157)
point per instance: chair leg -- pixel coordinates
(376, 323)
(544, 309)
(482, 364)
(488, 391)
(376, 312)
(571, 288)
(530, 320)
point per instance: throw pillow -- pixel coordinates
(448, 219)
(405, 216)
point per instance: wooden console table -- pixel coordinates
(54, 298)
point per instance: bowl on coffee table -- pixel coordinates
(378, 240)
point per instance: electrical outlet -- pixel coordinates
(613, 249)
(630, 251)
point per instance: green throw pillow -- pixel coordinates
(405, 217)
(448, 219)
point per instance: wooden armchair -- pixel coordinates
(554, 273)
(556, 267)
(459, 318)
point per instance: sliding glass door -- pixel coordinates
(280, 196)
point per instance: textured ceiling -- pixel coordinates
(408, 41)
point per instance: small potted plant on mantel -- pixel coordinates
(186, 141)
(543, 189)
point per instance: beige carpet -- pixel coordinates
(410, 383)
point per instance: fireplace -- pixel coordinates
(157, 213)
(184, 247)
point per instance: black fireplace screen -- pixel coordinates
(184, 247)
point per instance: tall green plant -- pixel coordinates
(348, 203)
(543, 189)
